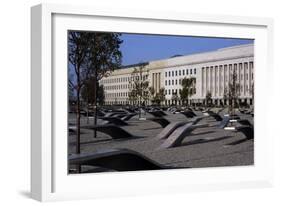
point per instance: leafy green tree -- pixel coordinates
(105, 56)
(78, 50)
(151, 94)
(139, 86)
(159, 97)
(188, 89)
(92, 55)
(175, 98)
(233, 93)
(208, 98)
(88, 92)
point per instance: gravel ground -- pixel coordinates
(204, 147)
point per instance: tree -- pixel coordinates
(88, 94)
(159, 97)
(78, 51)
(175, 98)
(252, 91)
(151, 94)
(91, 55)
(101, 95)
(188, 89)
(208, 98)
(233, 93)
(104, 57)
(139, 86)
(225, 95)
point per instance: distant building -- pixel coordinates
(212, 71)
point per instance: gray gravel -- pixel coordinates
(204, 147)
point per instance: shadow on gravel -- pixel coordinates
(202, 141)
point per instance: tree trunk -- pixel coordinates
(95, 102)
(78, 117)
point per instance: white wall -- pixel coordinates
(15, 95)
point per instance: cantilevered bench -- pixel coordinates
(114, 120)
(127, 117)
(157, 113)
(160, 120)
(217, 117)
(169, 129)
(248, 131)
(112, 130)
(224, 122)
(117, 160)
(116, 132)
(244, 122)
(179, 134)
(188, 114)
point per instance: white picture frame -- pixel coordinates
(49, 178)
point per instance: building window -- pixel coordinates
(176, 73)
(180, 81)
(165, 74)
(166, 82)
(169, 73)
(186, 71)
(183, 72)
(172, 82)
(190, 71)
(169, 82)
(176, 82)
(194, 71)
(172, 73)
(179, 72)
(169, 91)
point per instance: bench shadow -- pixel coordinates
(202, 141)
(201, 133)
(152, 128)
(239, 141)
(107, 140)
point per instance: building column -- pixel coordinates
(158, 86)
(202, 81)
(152, 80)
(215, 83)
(249, 75)
(211, 80)
(244, 79)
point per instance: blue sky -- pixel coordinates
(140, 48)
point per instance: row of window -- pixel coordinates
(115, 87)
(116, 94)
(123, 79)
(180, 72)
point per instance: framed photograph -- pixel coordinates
(137, 102)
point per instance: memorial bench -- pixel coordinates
(117, 160)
